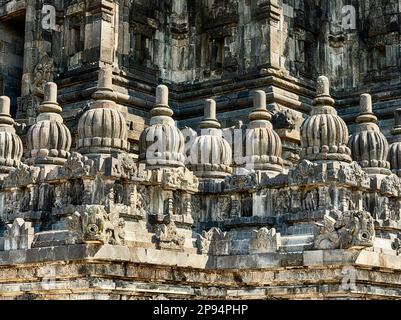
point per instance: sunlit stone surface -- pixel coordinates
(200, 149)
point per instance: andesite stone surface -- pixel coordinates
(290, 187)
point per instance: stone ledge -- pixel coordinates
(117, 254)
(96, 280)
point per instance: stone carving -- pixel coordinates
(264, 241)
(214, 241)
(224, 207)
(204, 240)
(43, 73)
(352, 229)
(391, 185)
(329, 144)
(96, 225)
(302, 172)
(172, 179)
(127, 165)
(354, 174)
(167, 237)
(282, 201)
(217, 47)
(143, 200)
(11, 148)
(76, 165)
(311, 200)
(23, 175)
(241, 182)
(19, 235)
(284, 119)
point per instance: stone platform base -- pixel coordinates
(113, 272)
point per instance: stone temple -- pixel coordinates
(208, 149)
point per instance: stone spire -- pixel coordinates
(262, 145)
(394, 155)
(162, 144)
(49, 140)
(11, 148)
(102, 130)
(324, 134)
(211, 154)
(368, 145)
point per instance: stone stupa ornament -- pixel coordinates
(211, 154)
(394, 155)
(162, 144)
(49, 139)
(102, 130)
(263, 146)
(11, 148)
(368, 145)
(324, 135)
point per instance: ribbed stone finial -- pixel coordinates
(210, 121)
(263, 148)
(211, 154)
(171, 142)
(11, 148)
(369, 146)
(49, 140)
(102, 129)
(259, 111)
(324, 134)
(366, 110)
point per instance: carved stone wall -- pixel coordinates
(108, 176)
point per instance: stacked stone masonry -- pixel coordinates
(195, 148)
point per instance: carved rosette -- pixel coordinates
(324, 135)
(11, 148)
(369, 146)
(49, 140)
